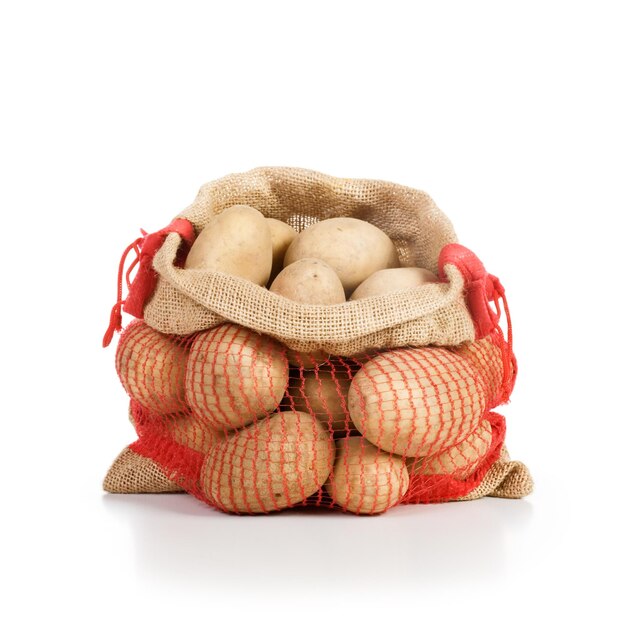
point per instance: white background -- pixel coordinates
(510, 115)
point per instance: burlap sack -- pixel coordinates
(181, 302)
(186, 301)
(133, 473)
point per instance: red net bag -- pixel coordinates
(257, 403)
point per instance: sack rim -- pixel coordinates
(215, 284)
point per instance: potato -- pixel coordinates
(189, 430)
(235, 376)
(355, 249)
(486, 357)
(324, 394)
(365, 479)
(459, 461)
(392, 280)
(151, 366)
(237, 241)
(309, 281)
(270, 465)
(307, 360)
(416, 401)
(282, 235)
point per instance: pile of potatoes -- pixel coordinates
(349, 433)
(328, 262)
(277, 428)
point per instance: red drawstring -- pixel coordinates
(115, 320)
(141, 287)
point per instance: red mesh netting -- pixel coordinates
(248, 426)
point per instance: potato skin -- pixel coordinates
(416, 401)
(281, 235)
(393, 280)
(189, 430)
(309, 281)
(237, 242)
(235, 376)
(355, 249)
(486, 357)
(307, 360)
(324, 394)
(459, 461)
(365, 479)
(268, 466)
(151, 367)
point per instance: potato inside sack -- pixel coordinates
(323, 392)
(353, 248)
(281, 235)
(460, 460)
(271, 465)
(192, 431)
(307, 360)
(309, 281)
(486, 356)
(416, 401)
(235, 376)
(393, 280)
(366, 479)
(151, 367)
(237, 241)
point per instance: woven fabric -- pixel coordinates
(505, 479)
(133, 473)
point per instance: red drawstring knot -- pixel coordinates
(140, 288)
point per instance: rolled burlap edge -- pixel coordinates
(505, 479)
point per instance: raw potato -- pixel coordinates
(416, 401)
(365, 479)
(486, 357)
(238, 242)
(151, 366)
(282, 235)
(393, 280)
(324, 393)
(459, 461)
(189, 430)
(235, 376)
(307, 360)
(355, 249)
(271, 465)
(309, 281)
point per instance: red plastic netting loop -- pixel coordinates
(115, 320)
(141, 287)
(482, 288)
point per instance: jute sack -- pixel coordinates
(187, 301)
(180, 304)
